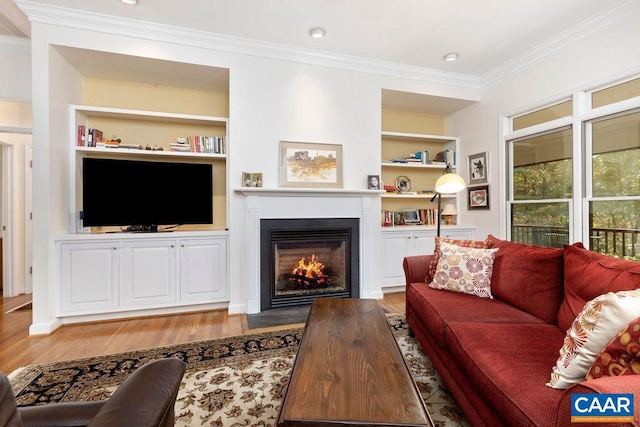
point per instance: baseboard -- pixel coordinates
(44, 328)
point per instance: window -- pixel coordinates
(541, 188)
(543, 115)
(614, 202)
(562, 188)
(616, 93)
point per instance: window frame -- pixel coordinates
(581, 123)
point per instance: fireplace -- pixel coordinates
(302, 259)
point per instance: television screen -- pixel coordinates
(144, 193)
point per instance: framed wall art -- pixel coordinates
(478, 168)
(478, 197)
(310, 165)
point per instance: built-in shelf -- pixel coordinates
(117, 152)
(125, 113)
(416, 196)
(413, 165)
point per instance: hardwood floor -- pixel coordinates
(94, 339)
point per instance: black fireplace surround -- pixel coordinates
(340, 236)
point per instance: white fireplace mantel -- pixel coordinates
(263, 203)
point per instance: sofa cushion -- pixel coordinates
(621, 356)
(588, 274)
(528, 277)
(436, 253)
(464, 269)
(509, 364)
(437, 308)
(600, 320)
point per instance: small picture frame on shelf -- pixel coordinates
(478, 197)
(478, 168)
(411, 216)
(252, 179)
(403, 184)
(373, 182)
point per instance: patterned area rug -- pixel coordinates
(235, 381)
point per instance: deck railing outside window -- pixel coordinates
(621, 242)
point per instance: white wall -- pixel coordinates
(15, 69)
(594, 60)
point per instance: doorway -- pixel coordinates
(15, 212)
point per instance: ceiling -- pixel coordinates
(488, 35)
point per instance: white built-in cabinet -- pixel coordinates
(105, 274)
(400, 242)
(111, 274)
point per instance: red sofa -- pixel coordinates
(496, 355)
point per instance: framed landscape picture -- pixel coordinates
(478, 197)
(310, 165)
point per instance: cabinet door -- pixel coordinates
(149, 273)
(396, 245)
(89, 277)
(203, 270)
(462, 234)
(424, 242)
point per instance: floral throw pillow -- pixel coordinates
(621, 356)
(599, 321)
(464, 269)
(436, 253)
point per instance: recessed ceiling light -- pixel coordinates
(131, 2)
(317, 32)
(450, 57)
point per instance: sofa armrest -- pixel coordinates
(416, 268)
(621, 384)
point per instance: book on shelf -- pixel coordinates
(205, 144)
(81, 135)
(427, 217)
(93, 137)
(447, 157)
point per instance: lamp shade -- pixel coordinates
(449, 209)
(450, 183)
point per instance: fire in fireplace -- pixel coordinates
(309, 274)
(302, 259)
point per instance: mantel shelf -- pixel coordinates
(270, 192)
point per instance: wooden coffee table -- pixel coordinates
(349, 371)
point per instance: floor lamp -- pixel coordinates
(448, 183)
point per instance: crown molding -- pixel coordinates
(15, 45)
(559, 42)
(107, 24)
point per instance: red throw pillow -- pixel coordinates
(528, 277)
(588, 274)
(621, 356)
(484, 244)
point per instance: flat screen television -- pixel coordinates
(135, 193)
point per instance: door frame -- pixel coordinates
(10, 220)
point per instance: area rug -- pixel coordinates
(235, 381)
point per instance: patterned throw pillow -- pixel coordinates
(598, 322)
(436, 253)
(464, 269)
(621, 356)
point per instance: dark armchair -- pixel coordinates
(146, 398)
